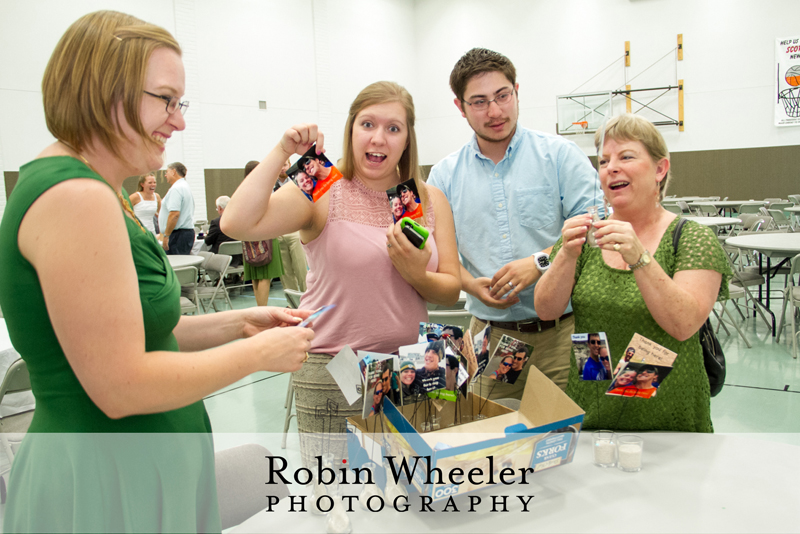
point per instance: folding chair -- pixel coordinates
(735, 292)
(233, 248)
(706, 210)
(460, 318)
(216, 267)
(745, 279)
(791, 296)
(187, 277)
(748, 208)
(13, 427)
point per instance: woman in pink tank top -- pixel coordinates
(358, 258)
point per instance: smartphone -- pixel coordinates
(414, 232)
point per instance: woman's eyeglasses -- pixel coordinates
(172, 103)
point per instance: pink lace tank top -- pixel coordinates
(349, 266)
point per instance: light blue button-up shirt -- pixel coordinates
(511, 210)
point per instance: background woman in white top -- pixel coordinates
(146, 202)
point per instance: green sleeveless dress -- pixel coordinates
(78, 470)
(608, 300)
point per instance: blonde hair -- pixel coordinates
(142, 179)
(630, 127)
(101, 60)
(383, 93)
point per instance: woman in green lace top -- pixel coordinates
(120, 439)
(621, 288)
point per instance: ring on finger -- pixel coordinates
(388, 245)
(616, 247)
(510, 285)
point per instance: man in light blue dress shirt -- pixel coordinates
(511, 189)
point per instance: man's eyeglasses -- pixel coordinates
(595, 342)
(518, 358)
(481, 104)
(172, 103)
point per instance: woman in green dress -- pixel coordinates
(120, 440)
(621, 288)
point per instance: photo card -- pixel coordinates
(638, 380)
(430, 332)
(509, 359)
(378, 371)
(642, 350)
(412, 357)
(481, 344)
(592, 356)
(432, 375)
(404, 201)
(314, 174)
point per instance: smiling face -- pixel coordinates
(408, 199)
(380, 136)
(407, 376)
(304, 182)
(431, 360)
(397, 208)
(165, 76)
(629, 176)
(150, 183)
(496, 124)
(311, 166)
(594, 346)
(629, 354)
(519, 360)
(626, 378)
(505, 365)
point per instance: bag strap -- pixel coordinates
(676, 236)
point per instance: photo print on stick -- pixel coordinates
(642, 369)
(481, 344)
(592, 356)
(509, 359)
(378, 372)
(432, 374)
(314, 174)
(404, 201)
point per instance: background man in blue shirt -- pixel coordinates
(511, 189)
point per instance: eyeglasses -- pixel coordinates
(518, 359)
(481, 104)
(604, 358)
(172, 103)
(507, 364)
(595, 342)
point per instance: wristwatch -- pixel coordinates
(542, 261)
(643, 261)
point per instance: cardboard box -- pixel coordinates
(472, 456)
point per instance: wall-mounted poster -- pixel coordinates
(787, 81)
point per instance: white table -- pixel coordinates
(689, 483)
(685, 199)
(184, 260)
(713, 221)
(771, 245)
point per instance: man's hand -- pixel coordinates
(479, 288)
(513, 277)
(165, 242)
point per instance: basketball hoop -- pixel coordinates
(791, 101)
(582, 124)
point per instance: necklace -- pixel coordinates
(124, 201)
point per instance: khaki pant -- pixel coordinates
(295, 267)
(551, 353)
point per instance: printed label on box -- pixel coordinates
(551, 451)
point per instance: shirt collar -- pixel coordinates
(512, 145)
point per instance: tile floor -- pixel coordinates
(761, 395)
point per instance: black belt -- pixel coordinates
(528, 325)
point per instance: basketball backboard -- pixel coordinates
(583, 112)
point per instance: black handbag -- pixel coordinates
(713, 358)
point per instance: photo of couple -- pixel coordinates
(404, 201)
(508, 359)
(642, 369)
(592, 356)
(314, 174)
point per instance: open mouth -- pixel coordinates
(618, 185)
(374, 157)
